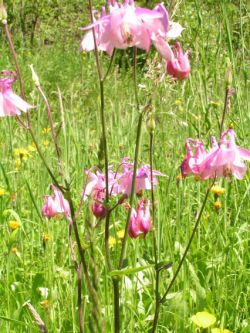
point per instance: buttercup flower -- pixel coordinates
(217, 190)
(55, 204)
(179, 66)
(10, 103)
(220, 330)
(203, 319)
(13, 224)
(2, 191)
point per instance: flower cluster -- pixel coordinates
(120, 184)
(224, 159)
(126, 25)
(10, 103)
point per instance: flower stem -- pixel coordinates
(78, 269)
(136, 157)
(229, 93)
(157, 272)
(163, 298)
(54, 137)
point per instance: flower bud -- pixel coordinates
(35, 78)
(98, 210)
(151, 124)
(3, 14)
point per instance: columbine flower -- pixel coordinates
(10, 103)
(55, 204)
(203, 319)
(140, 220)
(224, 159)
(143, 178)
(98, 208)
(179, 66)
(127, 25)
(195, 156)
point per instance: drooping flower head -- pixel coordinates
(179, 66)
(120, 184)
(224, 159)
(55, 204)
(143, 178)
(10, 103)
(140, 220)
(127, 25)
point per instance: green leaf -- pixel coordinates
(130, 271)
(12, 238)
(18, 322)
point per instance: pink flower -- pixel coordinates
(126, 26)
(55, 204)
(97, 184)
(225, 159)
(179, 66)
(140, 220)
(98, 209)
(10, 103)
(195, 155)
(133, 229)
(143, 178)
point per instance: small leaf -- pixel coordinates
(129, 271)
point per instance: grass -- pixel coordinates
(215, 275)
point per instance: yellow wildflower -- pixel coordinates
(112, 242)
(121, 233)
(45, 130)
(179, 177)
(45, 143)
(217, 190)
(217, 205)
(197, 178)
(14, 250)
(203, 319)
(178, 102)
(46, 237)
(13, 224)
(2, 191)
(45, 304)
(22, 153)
(220, 330)
(31, 147)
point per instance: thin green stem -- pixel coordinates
(136, 158)
(157, 272)
(163, 298)
(116, 305)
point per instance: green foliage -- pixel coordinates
(215, 275)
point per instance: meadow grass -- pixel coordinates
(215, 275)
